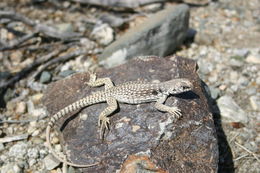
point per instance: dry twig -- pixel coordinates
(27, 69)
(247, 150)
(41, 28)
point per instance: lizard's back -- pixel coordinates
(136, 92)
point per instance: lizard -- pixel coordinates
(133, 92)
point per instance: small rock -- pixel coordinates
(243, 81)
(255, 59)
(103, 34)
(71, 170)
(36, 99)
(203, 38)
(41, 112)
(11, 106)
(18, 150)
(66, 73)
(11, 168)
(21, 108)
(205, 67)
(64, 27)
(241, 52)
(37, 140)
(236, 63)
(33, 153)
(230, 111)
(31, 162)
(250, 90)
(9, 94)
(255, 102)
(36, 133)
(234, 88)
(214, 92)
(50, 162)
(233, 76)
(2, 147)
(45, 77)
(16, 57)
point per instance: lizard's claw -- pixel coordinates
(103, 123)
(175, 112)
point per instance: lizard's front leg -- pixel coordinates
(103, 121)
(96, 82)
(174, 111)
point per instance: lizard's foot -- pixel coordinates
(175, 112)
(103, 123)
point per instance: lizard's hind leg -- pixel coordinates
(96, 82)
(103, 121)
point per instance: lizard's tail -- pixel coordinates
(56, 155)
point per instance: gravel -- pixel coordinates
(226, 47)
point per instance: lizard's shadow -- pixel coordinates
(226, 163)
(189, 95)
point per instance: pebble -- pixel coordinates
(252, 58)
(202, 38)
(36, 133)
(243, 81)
(45, 77)
(2, 147)
(230, 111)
(236, 63)
(37, 140)
(18, 150)
(64, 27)
(11, 168)
(31, 162)
(21, 108)
(36, 98)
(103, 34)
(66, 73)
(241, 52)
(9, 94)
(33, 153)
(31, 129)
(214, 92)
(11, 106)
(40, 112)
(50, 162)
(255, 102)
(16, 57)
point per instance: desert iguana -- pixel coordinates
(134, 92)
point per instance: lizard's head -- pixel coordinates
(177, 86)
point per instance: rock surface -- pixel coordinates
(139, 134)
(159, 35)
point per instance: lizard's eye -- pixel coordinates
(154, 92)
(185, 87)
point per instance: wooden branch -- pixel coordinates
(44, 29)
(27, 69)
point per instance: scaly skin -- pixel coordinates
(134, 92)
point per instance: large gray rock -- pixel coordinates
(140, 137)
(159, 35)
